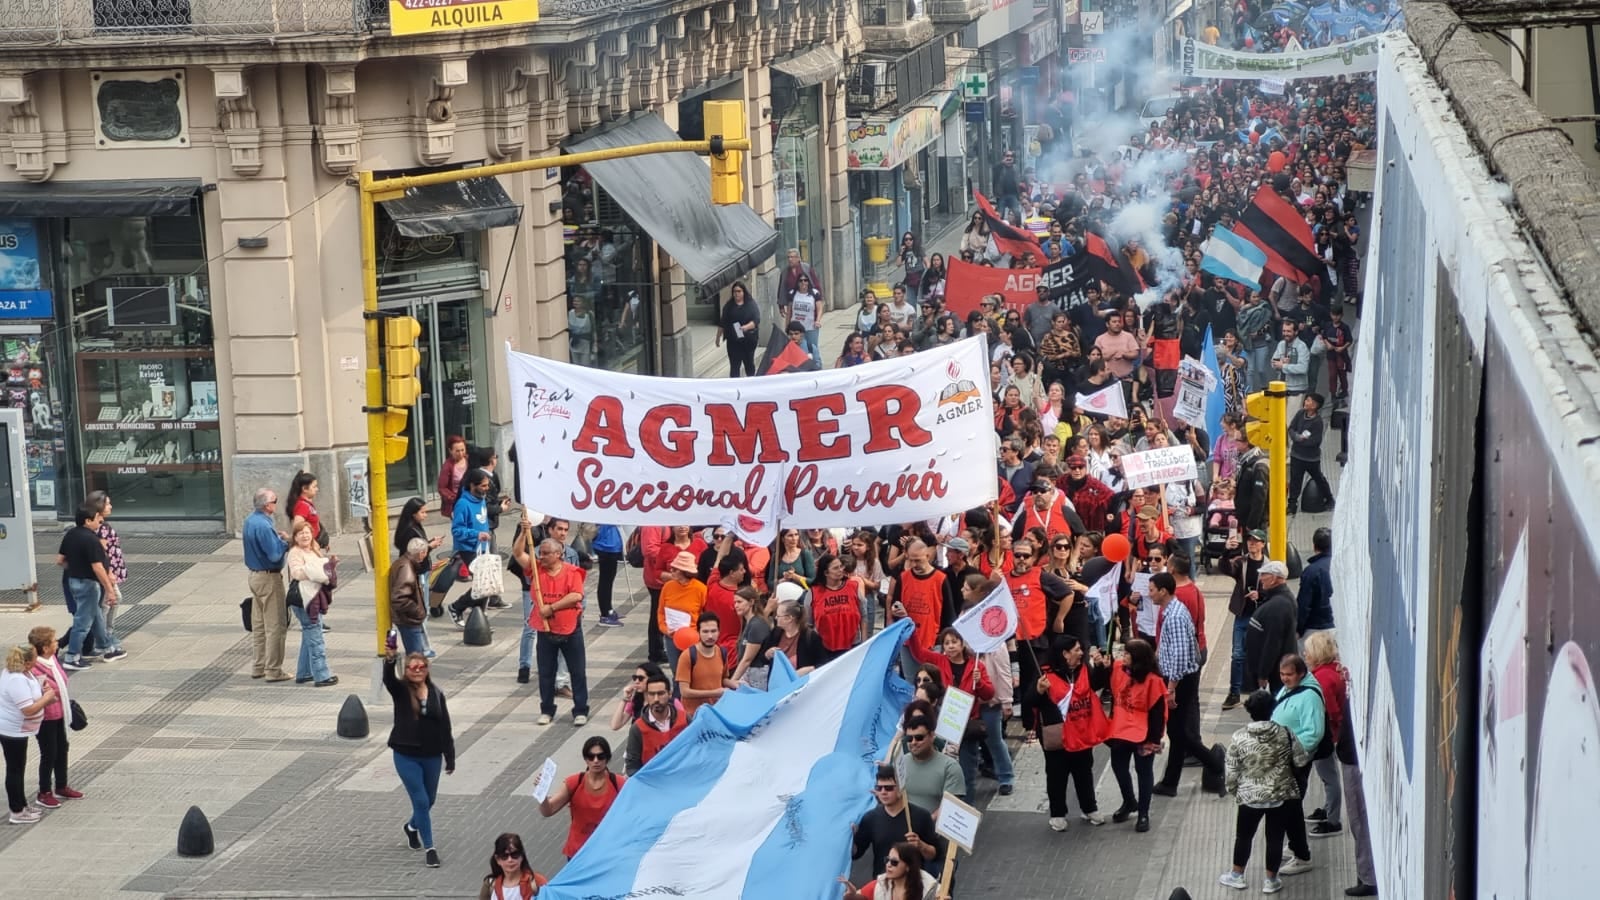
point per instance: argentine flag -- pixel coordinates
(756, 797)
(1227, 255)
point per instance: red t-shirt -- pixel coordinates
(588, 808)
(719, 600)
(569, 580)
(1189, 595)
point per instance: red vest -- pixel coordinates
(1029, 597)
(1085, 723)
(652, 739)
(837, 612)
(1132, 702)
(923, 599)
(1052, 520)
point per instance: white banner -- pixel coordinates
(877, 444)
(1205, 61)
(1195, 384)
(1160, 466)
(990, 624)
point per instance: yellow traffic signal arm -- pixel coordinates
(1270, 432)
(723, 117)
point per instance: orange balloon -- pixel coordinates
(1277, 161)
(1115, 548)
(685, 637)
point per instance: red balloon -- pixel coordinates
(1277, 161)
(1115, 548)
(685, 637)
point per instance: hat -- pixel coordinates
(1147, 512)
(685, 562)
(788, 590)
(1076, 459)
(1274, 567)
(1256, 534)
(958, 544)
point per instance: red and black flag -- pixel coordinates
(783, 355)
(1280, 230)
(1008, 238)
(1110, 266)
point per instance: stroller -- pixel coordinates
(1221, 522)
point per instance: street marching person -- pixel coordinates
(422, 744)
(589, 794)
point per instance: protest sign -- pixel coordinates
(1200, 60)
(1190, 403)
(958, 822)
(545, 780)
(890, 441)
(1163, 465)
(991, 623)
(966, 284)
(953, 715)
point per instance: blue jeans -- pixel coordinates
(313, 662)
(85, 593)
(1097, 627)
(1241, 629)
(420, 776)
(525, 647)
(412, 639)
(548, 649)
(996, 739)
(814, 338)
(1261, 371)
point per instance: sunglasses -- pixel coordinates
(594, 757)
(1023, 555)
(923, 679)
(509, 854)
(416, 667)
(878, 789)
(1062, 547)
(891, 861)
(917, 738)
(638, 678)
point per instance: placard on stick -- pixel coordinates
(958, 822)
(953, 715)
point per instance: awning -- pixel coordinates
(669, 196)
(814, 66)
(99, 199)
(456, 207)
(1181, 8)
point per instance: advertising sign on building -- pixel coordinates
(22, 293)
(445, 16)
(1093, 22)
(887, 143)
(890, 441)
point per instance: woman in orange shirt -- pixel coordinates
(590, 793)
(1138, 718)
(682, 594)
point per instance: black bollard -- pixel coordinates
(194, 835)
(477, 632)
(353, 719)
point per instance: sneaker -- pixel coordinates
(523, 674)
(1233, 879)
(1295, 866)
(1362, 889)
(66, 793)
(74, 665)
(1326, 829)
(1059, 823)
(497, 603)
(1271, 885)
(580, 721)
(457, 618)
(27, 816)
(611, 621)
(544, 719)
(429, 653)
(1317, 815)
(432, 859)
(114, 655)
(47, 800)
(1093, 818)
(330, 681)
(413, 836)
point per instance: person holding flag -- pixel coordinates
(989, 619)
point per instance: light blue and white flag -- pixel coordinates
(1232, 257)
(1217, 400)
(756, 797)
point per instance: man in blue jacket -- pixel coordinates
(469, 529)
(1315, 601)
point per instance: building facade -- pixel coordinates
(181, 315)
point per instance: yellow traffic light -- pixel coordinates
(725, 119)
(400, 361)
(395, 441)
(1267, 431)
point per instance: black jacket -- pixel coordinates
(1271, 636)
(1250, 498)
(424, 735)
(1315, 603)
(1308, 449)
(1244, 571)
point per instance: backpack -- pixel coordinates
(633, 550)
(1325, 748)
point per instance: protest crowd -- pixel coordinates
(1100, 379)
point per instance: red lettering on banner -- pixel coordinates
(673, 449)
(883, 421)
(729, 434)
(813, 428)
(595, 491)
(802, 484)
(603, 422)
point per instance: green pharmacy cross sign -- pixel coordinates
(976, 84)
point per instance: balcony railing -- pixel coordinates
(59, 21)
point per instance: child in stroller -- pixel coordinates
(1221, 522)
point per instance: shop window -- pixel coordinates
(144, 365)
(609, 283)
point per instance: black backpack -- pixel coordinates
(1325, 748)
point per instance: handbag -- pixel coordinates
(76, 720)
(244, 611)
(293, 598)
(633, 551)
(1050, 737)
(488, 574)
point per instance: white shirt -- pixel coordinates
(803, 309)
(19, 689)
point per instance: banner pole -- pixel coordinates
(949, 870)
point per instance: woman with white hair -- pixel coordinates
(22, 704)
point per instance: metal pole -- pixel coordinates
(375, 190)
(1278, 486)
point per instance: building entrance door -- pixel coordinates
(452, 370)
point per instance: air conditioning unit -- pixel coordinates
(869, 85)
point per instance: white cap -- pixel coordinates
(788, 590)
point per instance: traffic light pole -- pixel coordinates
(1270, 432)
(725, 155)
